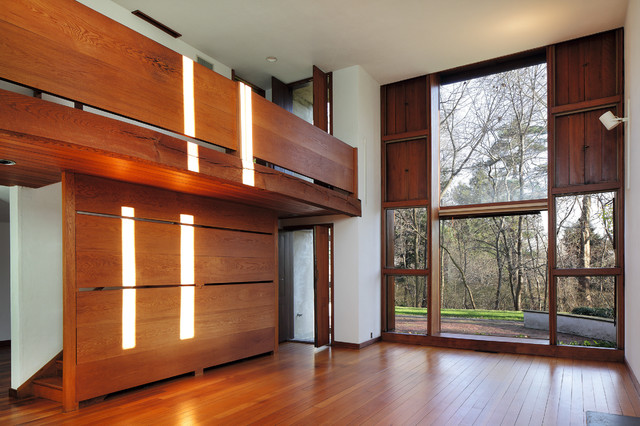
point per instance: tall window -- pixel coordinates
(493, 191)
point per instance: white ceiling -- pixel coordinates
(391, 39)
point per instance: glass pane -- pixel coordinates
(493, 138)
(492, 270)
(585, 231)
(408, 296)
(303, 101)
(407, 238)
(586, 311)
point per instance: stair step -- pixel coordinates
(48, 388)
(59, 367)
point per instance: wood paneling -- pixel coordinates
(231, 321)
(406, 170)
(72, 51)
(299, 146)
(320, 99)
(585, 151)
(405, 106)
(587, 68)
(221, 256)
(45, 138)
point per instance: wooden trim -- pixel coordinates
(480, 343)
(355, 173)
(402, 272)
(357, 346)
(401, 137)
(491, 209)
(69, 292)
(551, 215)
(25, 390)
(583, 189)
(405, 204)
(579, 107)
(331, 286)
(433, 207)
(276, 282)
(587, 272)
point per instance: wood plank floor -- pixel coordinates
(385, 383)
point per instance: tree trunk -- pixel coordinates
(584, 294)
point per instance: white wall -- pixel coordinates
(632, 193)
(5, 311)
(125, 17)
(36, 279)
(356, 121)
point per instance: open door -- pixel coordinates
(321, 99)
(321, 285)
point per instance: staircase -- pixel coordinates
(50, 386)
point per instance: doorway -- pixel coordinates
(305, 284)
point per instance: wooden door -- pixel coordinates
(321, 284)
(320, 99)
(281, 94)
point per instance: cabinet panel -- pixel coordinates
(405, 106)
(585, 151)
(406, 166)
(586, 69)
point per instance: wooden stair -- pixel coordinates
(50, 386)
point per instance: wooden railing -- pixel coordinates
(67, 49)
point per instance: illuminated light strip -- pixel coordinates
(187, 277)
(189, 102)
(128, 279)
(246, 141)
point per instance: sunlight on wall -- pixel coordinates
(248, 173)
(128, 279)
(187, 277)
(189, 113)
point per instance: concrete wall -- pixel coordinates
(356, 121)
(303, 294)
(36, 279)
(632, 193)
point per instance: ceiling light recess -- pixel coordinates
(271, 59)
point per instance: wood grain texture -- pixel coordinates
(384, 383)
(406, 170)
(320, 98)
(282, 139)
(405, 106)
(69, 289)
(109, 66)
(45, 138)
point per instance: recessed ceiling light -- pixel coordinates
(7, 162)
(272, 59)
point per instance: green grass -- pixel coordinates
(464, 313)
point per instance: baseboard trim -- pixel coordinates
(13, 393)
(4, 343)
(634, 379)
(357, 346)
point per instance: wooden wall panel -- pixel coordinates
(586, 69)
(231, 321)
(101, 195)
(220, 255)
(406, 167)
(585, 151)
(67, 49)
(405, 106)
(299, 146)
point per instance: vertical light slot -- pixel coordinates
(193, 161)
(246, 140)
(128, 278)
(188, 94)
(187, 277)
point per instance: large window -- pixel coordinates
(503, 198)
(493, 152)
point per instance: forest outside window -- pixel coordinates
(493, 156)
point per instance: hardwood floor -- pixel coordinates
(385, 383)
